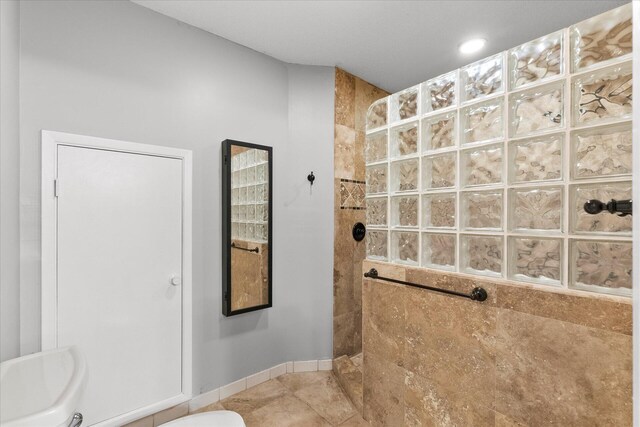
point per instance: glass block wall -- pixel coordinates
(250, 196)
(485, 169)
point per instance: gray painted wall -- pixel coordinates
(117, 70)
(9, 178)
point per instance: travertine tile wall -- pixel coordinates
(485, 170)
(524, 357)
(352, 99)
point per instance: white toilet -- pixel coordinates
(209, 419)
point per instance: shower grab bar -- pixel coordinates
(477, 294)
(256, 250)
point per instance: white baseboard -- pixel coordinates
(213, 396)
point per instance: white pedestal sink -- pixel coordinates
(42, 389)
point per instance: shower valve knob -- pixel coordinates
(175, 281)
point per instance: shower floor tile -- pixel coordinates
(298, 399)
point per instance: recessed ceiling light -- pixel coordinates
(471, 46)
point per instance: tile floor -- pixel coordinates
(309, 399)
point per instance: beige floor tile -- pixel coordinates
(355, 421)
(255, 397)
(213, 407)
(286, 411)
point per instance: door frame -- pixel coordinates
(51, 140)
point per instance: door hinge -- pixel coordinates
(55, 188)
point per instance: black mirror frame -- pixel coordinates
(226, 226)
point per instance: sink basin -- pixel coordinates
(42, 389)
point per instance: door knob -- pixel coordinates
(175, 281)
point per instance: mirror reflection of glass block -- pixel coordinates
(234, 213)
(535, 260)
(251, 157)
(404, 211)
(251, 212)
(404, 247)
(481, 210)
(259, 212)
(482, 165)
(439, 132)
(439, 251)
(536, 60)
(404, 175)
(235, 179)
(536, 159)
(439, 171)
(242, 160)
(404, 104)
(481, 254)
(536, 110)
(532, 209)
(375, 147)
(260, 232)
(242, 212)
(243, 177)
(603, 151)
(376, 178)
(482, 78)
(242, 230)
(439, 210)
(582, 222)
(404, 140)
(234, 230)
(482, 122)
(376, 211)
(265, 192)
(261, 173)
(251, 231)
(601, 38)
(439, 93)
(251, 194)
(265, 213)
(377, 114)
(259, 193)
(603, 95)
(376, 245)
(243, 195)
(235, 196)
(601, 266)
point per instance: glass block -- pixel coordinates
(375, 147)
(376, 177)
(376, 211)
(404, 247)
(481, 254)
(537, 110)
(536, 159)
(260, 232)
(404, 104)
(439, 92)
(481, 210)
(243, 177)
(242, 230)
(251, 231)
(404, 175)
(242, 160)
(439, 132)
(601, 38)
(404, 211)
(604, 151)
(260, 212)
(242, 212)
(265, 213)
(482, 122)
(482, 78)
(234, 230)
(260, 192)
(535, 260)
(235, 196)
(439, 251)
(536, 60)
(404, 140)
(377, 245)
(235, 179)
(439, 171)
(482, 165)
(582, 222)
(439, 210)
(251, 212)
(265, 192)
(243, 195)
(535, 209)
(251, 194)
(601, 266)
(603, 95)
(377, 113)
(235, 215)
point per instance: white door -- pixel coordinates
(119, 247)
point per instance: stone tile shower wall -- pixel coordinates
(485, 169)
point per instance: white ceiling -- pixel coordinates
(392, 44)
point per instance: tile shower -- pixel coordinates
(485, 169)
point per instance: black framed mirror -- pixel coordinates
(246, 227)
